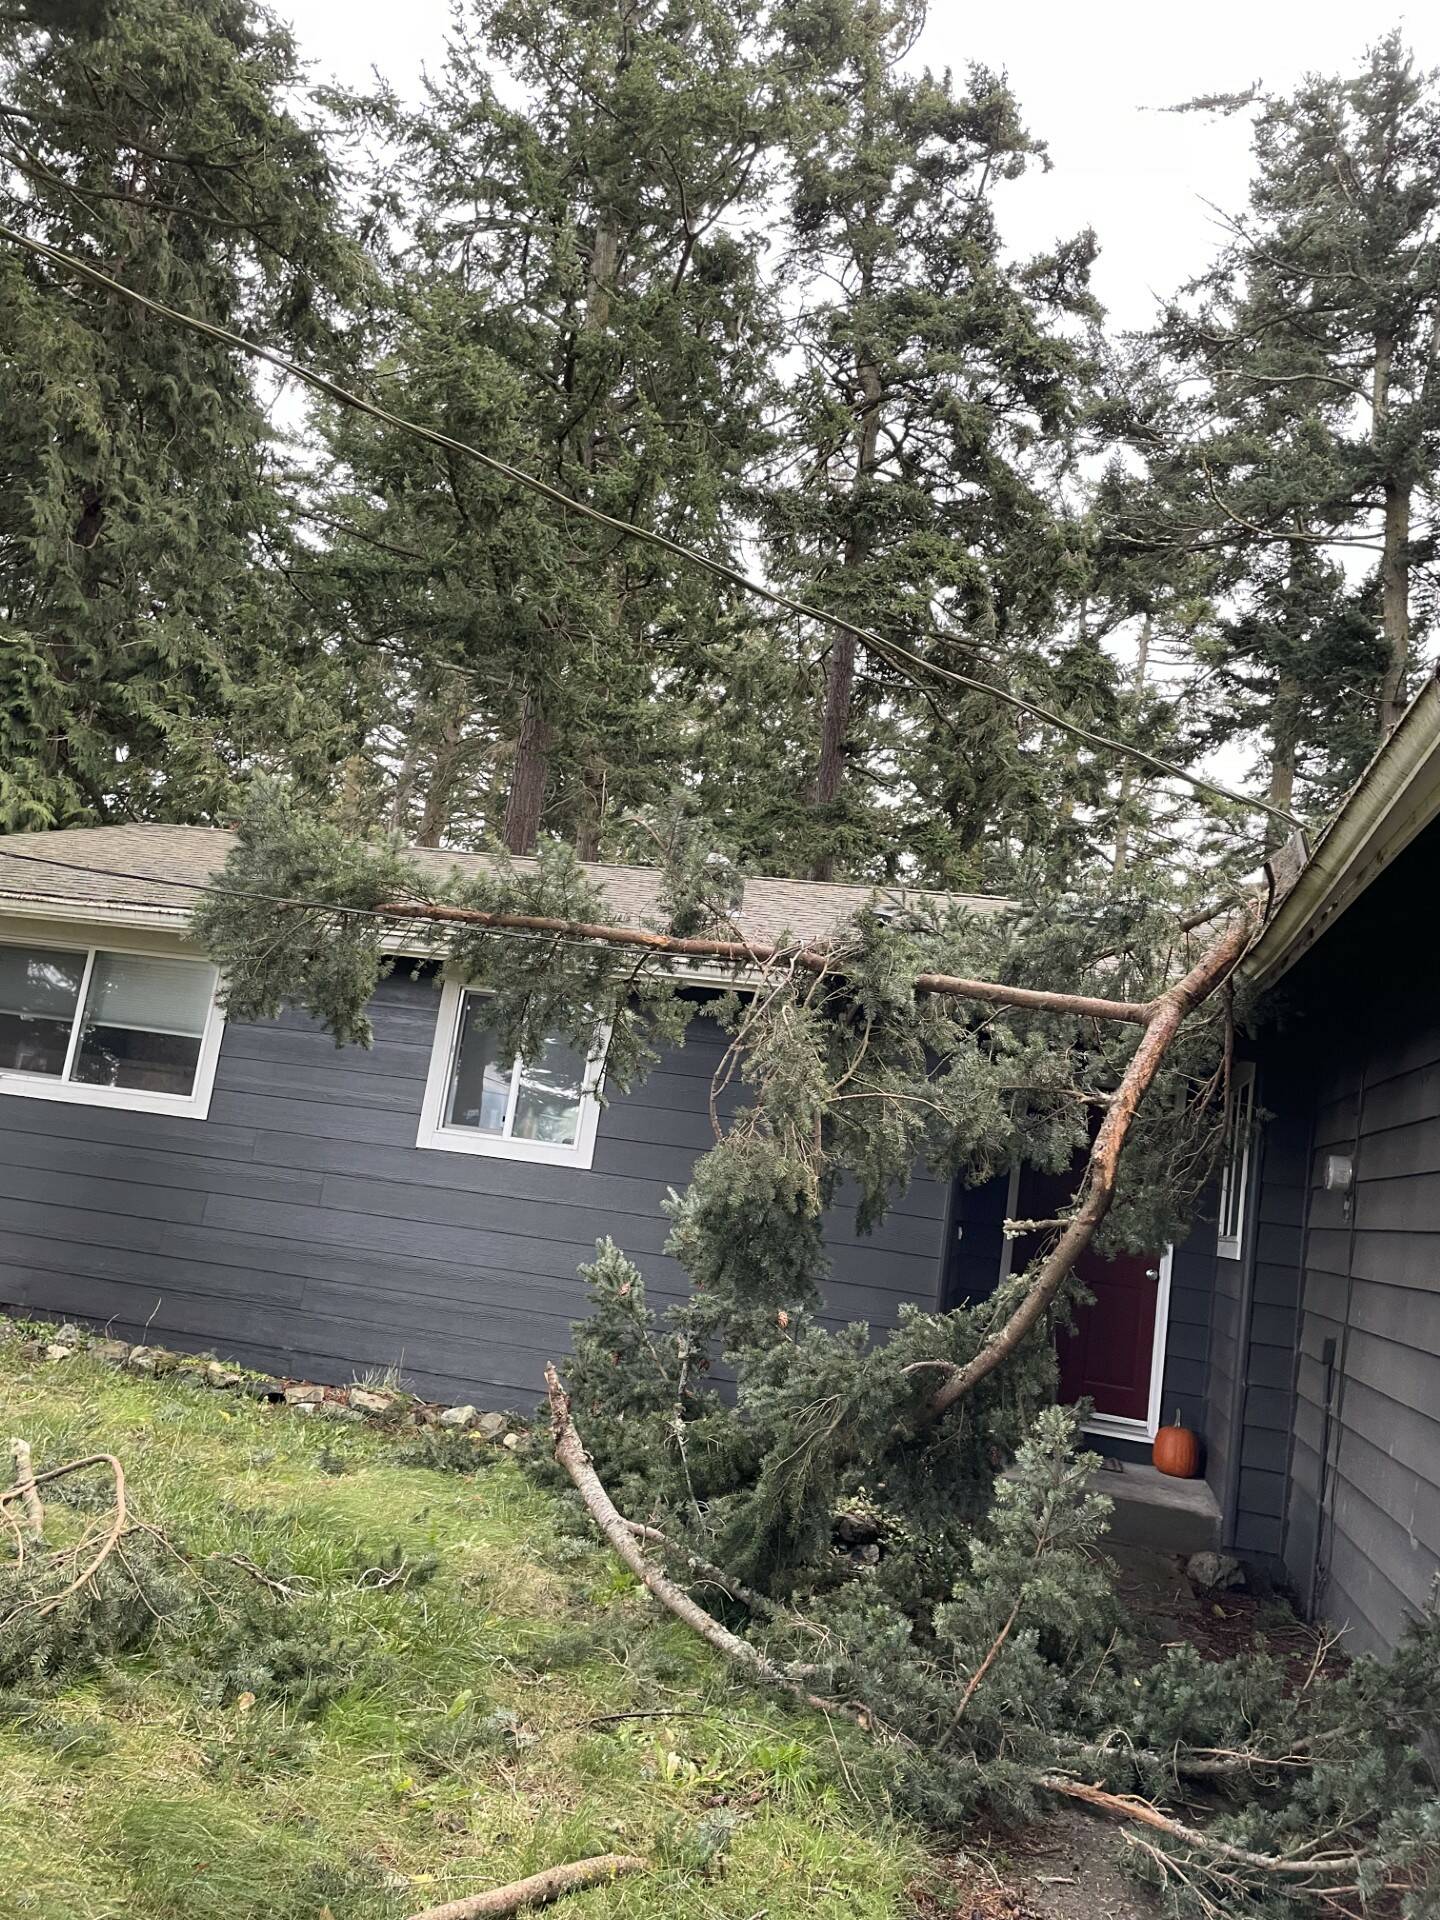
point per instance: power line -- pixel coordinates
(890, 651)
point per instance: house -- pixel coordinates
(317, 1211)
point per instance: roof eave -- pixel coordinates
(156, 919)
(1394, 800)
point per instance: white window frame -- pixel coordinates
(194, 1105)
(436, 1133)
(1235, 1168)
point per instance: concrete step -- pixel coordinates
(1153, 1509)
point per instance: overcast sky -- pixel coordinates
(1090, 80)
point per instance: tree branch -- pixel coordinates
(743, 953)
(1126, 1807)
(538, 1890)
(571, 1454)
(1164, 1018)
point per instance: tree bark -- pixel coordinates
(1127, 779)
(840, 667)
(529, 777)
(1395, 547)
(1284, 741)
(538, 1890)
(748, 954)
(1395, 603)
(1164, 1022)
(571, 1454)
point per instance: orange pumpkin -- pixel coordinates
(1177, 1451)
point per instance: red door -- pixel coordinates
(1107, 1358)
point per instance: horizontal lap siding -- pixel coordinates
(300, 1229)
(1362, 1540)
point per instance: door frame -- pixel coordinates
(1114, 1426)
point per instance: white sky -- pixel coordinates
(1089, 79)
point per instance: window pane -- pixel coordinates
(480, 1090)
(547, 1106)
(143, 1022)
(39, 987)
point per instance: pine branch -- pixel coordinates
(571, 1454)
(1164, 1018)
(745, 953)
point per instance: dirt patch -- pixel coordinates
(1069, 1868)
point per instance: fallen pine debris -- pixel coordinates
(539, 1890)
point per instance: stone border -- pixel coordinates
(386, 1407)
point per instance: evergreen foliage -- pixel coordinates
(146, 653)
(1306, 436)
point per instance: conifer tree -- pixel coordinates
(939, 402)
(1302, 453)
(582, 298)
(147, 652)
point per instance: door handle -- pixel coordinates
(1152, 1273)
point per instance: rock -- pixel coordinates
(337, 1410)
(32, 1349)
(55, 1351)
(111, 1353)
(368, 1402)
(1215, 1572)
(143, 1360)
(856, 1529)
(69, 1336)
(457, 1417)
(216, 1375)
(304, 1396)
(494, 1426)
(264, 1389)
(307, 1407)
(517, 1442)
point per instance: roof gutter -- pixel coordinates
(1394, 800)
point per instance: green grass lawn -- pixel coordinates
(455, 1741)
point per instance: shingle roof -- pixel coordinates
(157, 866)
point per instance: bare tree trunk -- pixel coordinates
(1395, 603)
(445, 763)
(590, 822)
(840, 668)
(1127, 779)
(1395, 550)
(529, 777)
(1284, 741)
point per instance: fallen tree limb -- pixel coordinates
(538, 1890)
(1195, 1763)
(747, 953)
(24, 1491)
(570, 1452)
(109, 1541)
(702, 1569)
(1163, 1020)
(1124, 1806)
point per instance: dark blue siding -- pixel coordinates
(300, 1229)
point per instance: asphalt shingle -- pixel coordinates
(154, 865)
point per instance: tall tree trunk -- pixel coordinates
(1395, 549)
(528, 779)
(590, 819)
(840, 667)
(1284, 741)
(1127, 778)
(445, 764)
